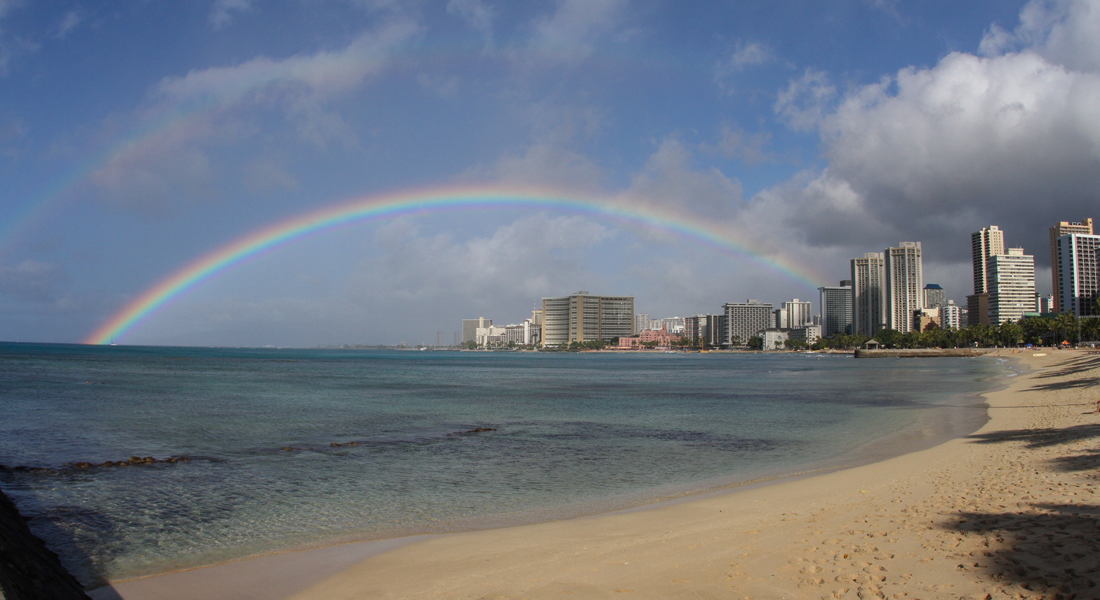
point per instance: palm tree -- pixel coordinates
(1066, 325)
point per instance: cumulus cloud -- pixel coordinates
(734, 142)
(534, 256)
(1062, 31)
(932, 154)
(573, 29)
(668, 180)
(220, 106)
(806, 100)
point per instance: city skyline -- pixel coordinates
(688, 155)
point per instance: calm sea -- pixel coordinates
(569, 434)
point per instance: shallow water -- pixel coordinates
(572, 434)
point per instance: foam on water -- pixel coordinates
(572, 434)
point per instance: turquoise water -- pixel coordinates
(570, 434)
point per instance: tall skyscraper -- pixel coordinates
(904, 285)
(836, 309)
(745, 320)
(985, 243)
(869, 294)
(1011, 286)
(1083, 227)
(584, 317)
(1080, 281)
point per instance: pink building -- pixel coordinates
(661, 336)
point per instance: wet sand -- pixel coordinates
(1008, 512)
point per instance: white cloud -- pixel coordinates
(1062, 31)
(933, 154)
(221, 13)
(572, 31)
(735, 143)
(220, 106)
(668, 180)
(297, 78)
(532, 257)
(745, 55)
(806, 100)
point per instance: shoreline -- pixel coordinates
(1008, 511)
(329, 564)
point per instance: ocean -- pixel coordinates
(298, 448)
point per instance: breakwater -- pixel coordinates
(923, 353)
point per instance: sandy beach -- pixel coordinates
(1008, 512)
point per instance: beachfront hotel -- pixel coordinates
(746, 320)
(836, 309)
(985, 243)
(904, 285)
(1011, 285)
(1078, 277)
(868, 294)
(584, 317)
(1063, 228)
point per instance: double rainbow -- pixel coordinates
(430, 201)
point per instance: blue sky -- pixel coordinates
(137, 136)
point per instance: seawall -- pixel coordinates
(28, 569)
(923, 353)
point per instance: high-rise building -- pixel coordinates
(1077, 258)
(934, 296)
(641, 322)
(793, 314)
(904, 285)
(952, 315)
(745, 320)
(869, 294)
(671, 324)
(836, 309)
(985, 243)
(708, 329)
(1082, 227)
(584, 317)
(1011, 286)
(470, 327)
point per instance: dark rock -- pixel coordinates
(122, 463)
(136, 459)
(107, 464)
(288, 449)
(184, 459)
(29, 570)
(149, 460)
(353, 443)
(83, 465)
(334, 444)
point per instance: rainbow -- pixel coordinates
(429, 201)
